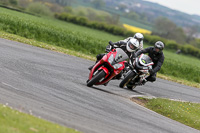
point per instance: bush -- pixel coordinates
(114, 29)
(189, 49)
(13, 2)
(39, 8)
(152, 39)
(172, 45)
(82, 20)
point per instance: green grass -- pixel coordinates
(87, 41)
(190, 60)
(55, 32)
(184, 67)
(184, 112)
(13, 121)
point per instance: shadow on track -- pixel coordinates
(113, 93)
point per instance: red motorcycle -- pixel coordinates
(108, 67)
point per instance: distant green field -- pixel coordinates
(86, 40)
(123, 20)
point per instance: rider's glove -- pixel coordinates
(108, 48)
(151, 71)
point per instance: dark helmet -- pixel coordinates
(159, 45)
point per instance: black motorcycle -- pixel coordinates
(138, 71)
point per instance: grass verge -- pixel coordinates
(184, 112)
(44, 45)
(13, 121)
(80, 54)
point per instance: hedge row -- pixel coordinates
(116, 30)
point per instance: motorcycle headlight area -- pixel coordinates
(116, 66)
(111, 58)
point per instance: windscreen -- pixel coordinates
(145, 59)
(120, 56)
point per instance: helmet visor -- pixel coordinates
(157, 50)
(131, 46)
(139, 39)
(159, 47)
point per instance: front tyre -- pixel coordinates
(101, 74)
(130, 74)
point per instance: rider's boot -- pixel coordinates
(106, 84)
(118, 76)
(143, 81)
(90, 68)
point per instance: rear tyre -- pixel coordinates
(130, 74)
(96, 78)
(130, 86)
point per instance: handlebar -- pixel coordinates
(111, 43)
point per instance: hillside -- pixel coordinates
(153, 10)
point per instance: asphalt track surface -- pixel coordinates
(52, 86)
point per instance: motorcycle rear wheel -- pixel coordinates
(96, 78)
(130, 74)
(129, 86)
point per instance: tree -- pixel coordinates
(196, 43)
(56, 8)
(13, 2)
(23, 3)
(122, 7)
(39, 8)
(68, 9)
(165, 28)
(4, 2)
(98, 3)
(65, 2)
(132, 15)
(191, 33)
(114, 19)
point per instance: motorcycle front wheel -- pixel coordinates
(130, 74)
(101, 74)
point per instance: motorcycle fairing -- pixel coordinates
(145, 60)
(117, 65)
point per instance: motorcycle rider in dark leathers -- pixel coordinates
(123, 44)
(157, 56)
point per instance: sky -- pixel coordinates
(188, 6)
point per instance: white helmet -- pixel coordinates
(139, 37)
(132, 45)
